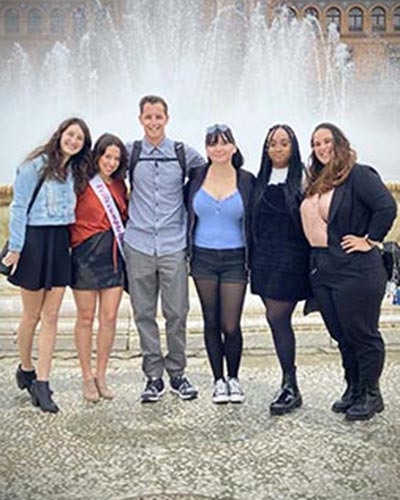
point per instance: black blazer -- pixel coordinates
(245, 185)
(362, 205)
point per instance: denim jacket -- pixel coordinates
(54, 204)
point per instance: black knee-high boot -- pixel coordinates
(288, 398)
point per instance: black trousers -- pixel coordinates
(349, 298)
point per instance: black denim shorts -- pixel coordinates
(228, 266)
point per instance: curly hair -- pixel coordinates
(322, 178)
(102, 143)
(80, 163)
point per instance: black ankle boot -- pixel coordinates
(369, 403)
(288, 398)
(41, 396)
(350, 397)
(25, 378)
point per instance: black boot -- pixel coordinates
(349, 397)
(369, 403)
(288, 398)
(41, 396)
(25, 378)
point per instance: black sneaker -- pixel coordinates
(153, 390)
(182, 387)
(24, 378)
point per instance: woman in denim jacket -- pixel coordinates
(39, 246)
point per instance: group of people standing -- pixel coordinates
(294, 233)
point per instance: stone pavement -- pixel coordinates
(196, 450)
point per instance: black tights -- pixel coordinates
(279, 317)
(222, 305)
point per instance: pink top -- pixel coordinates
(314, 212)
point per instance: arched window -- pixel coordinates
(333, 16)
(57, 22)
(11, 18)
(311, 12)
(356, 19)
(79, 21)
(34, 21)
(378, 19)
(396, 19)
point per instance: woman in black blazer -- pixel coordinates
(280, 252)
(346, 213)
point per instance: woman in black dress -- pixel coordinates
(280, 252)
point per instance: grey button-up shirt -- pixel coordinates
(157, 216)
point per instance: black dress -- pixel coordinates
(280, 251)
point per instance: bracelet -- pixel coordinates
(370, 243)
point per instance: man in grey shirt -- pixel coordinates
(155, 250)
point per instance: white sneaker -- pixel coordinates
(221, 392)
(236, 395)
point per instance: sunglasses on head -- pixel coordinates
(218, 127)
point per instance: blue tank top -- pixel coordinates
(219, 222)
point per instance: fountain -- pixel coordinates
(234, 68)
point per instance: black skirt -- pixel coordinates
(45, 260)
(273, 284)
(94, 266)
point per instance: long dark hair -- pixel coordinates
(225, 133)
(102, 143)
(80, 163)
(293, 185)
(322, 178)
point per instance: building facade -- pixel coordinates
(370, 28)
(37, 24)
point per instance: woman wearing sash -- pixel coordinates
(43, 206)
(98, 261)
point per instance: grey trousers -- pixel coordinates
(148, 276)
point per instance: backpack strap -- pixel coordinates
(181, 157)
(135, 154)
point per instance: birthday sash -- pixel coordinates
(103, 194)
